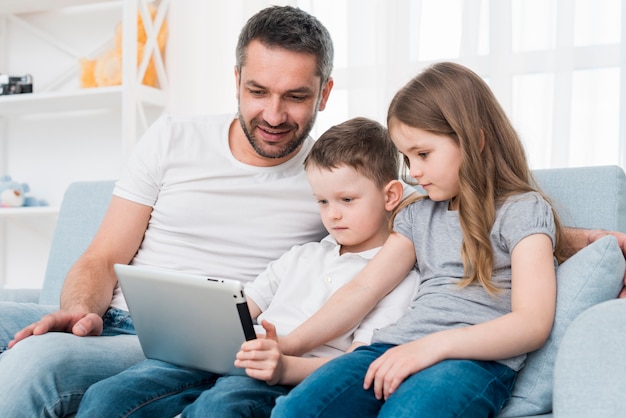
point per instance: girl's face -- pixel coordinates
(434, 161)
(353, 207)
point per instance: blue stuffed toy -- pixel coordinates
(13, 194)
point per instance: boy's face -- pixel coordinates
(279, 96)
(352, 207)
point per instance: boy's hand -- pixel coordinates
(261, 357)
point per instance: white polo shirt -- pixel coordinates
(296, 285)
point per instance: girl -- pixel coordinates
(484, 240)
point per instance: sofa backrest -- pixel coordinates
(82, 210)
(587, 197)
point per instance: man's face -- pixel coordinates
(279, 95)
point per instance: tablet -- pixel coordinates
(187, 319)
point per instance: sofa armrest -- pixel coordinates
(20, 295)
(590, 367)
(82, 210)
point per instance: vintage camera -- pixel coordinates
(15, 84)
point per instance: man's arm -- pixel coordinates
(578, 238)
(88, 287)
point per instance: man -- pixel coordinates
(217, 195)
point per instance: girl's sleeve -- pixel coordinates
(403, 222)
(525, 215)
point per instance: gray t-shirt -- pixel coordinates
(440, 303)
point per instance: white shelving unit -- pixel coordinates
(84, 99)
(61, 133)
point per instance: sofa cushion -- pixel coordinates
(593, 275)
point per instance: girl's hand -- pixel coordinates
(261, 357)
(388, 371)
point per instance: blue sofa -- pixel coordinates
(580, 372)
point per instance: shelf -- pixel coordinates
(84, 99)
(27, 6)
(25, 212)
(63, 113)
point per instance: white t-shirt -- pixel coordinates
(213, 214)
(296, 285)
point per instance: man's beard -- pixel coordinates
(286, 149)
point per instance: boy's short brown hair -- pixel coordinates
(360, 143)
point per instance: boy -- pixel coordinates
(353, 172)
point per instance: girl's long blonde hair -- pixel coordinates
(449, 99)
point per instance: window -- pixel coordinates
(557, 67)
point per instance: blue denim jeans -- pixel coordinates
(155, 388)
(236, 396)
(451, 388)
(150, 388)
(47, 375)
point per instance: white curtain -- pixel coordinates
(557, 66)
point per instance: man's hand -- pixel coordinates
(261, 357)
(80, 324)
(621, 240)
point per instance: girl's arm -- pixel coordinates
(263, 360)
(296, 369)
(526, 328)
(355, 299)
